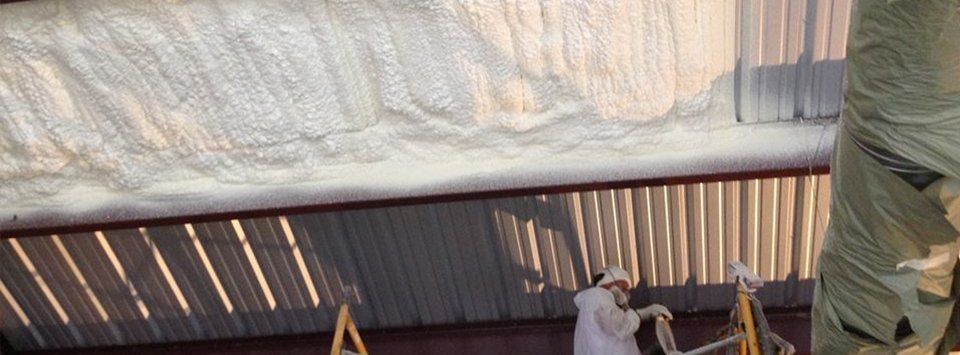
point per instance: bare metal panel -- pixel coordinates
(448, 263)
(790, 58)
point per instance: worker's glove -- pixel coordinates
(654, 310)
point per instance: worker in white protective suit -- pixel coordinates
(606, 323)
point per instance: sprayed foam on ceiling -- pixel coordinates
(110, 101)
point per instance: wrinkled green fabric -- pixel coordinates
(903, 79)
(889, 253)
(891, 249)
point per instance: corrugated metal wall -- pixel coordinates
(460, 262)
(790, 58)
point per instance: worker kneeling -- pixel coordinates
(606, 323)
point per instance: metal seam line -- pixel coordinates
(298, 258)
(703, 233)
(171, 282)
(61, 313)
(71, 263)
(518, 234)
(843, 37)
(224, 298)
(242, 237)
(616, 227)
(603, 249)
(783, 39)
(270, 264)
(825, 52)
(554, 259)
(581, 235)
(684, 232)
(144, 312)
(759, 42)
(720, 217)
(669, 236)
(811, 210)
(327, 289)
(775, 224)
(42, 310)
(240, 284)
(653, 256)
(535, 253)
(554, 254)
(792, 221)
(825, 40)
(632, 237)
(737, 233)
(301, 266)
(21, 315)
(756, 226)
(553, 271)
(522, 261)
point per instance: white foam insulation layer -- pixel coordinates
(143, 109)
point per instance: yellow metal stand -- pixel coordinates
(742, 335)
(345, 322)
(749, 346)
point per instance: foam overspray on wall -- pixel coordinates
(101, 100)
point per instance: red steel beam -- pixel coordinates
(525, 337)
(5, 348)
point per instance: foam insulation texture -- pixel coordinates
(157, 100)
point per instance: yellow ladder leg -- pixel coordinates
(746, 320)
(345, 322)
(342, 319)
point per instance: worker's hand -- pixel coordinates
(654, 310)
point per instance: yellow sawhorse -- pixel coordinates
(748, 333)
(345, 322)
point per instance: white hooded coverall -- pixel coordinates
(603, 328)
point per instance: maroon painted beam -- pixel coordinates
(58, 228)
(527, 337)
(5, 348)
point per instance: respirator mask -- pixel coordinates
(621, 298)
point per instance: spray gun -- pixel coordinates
(744, 276)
